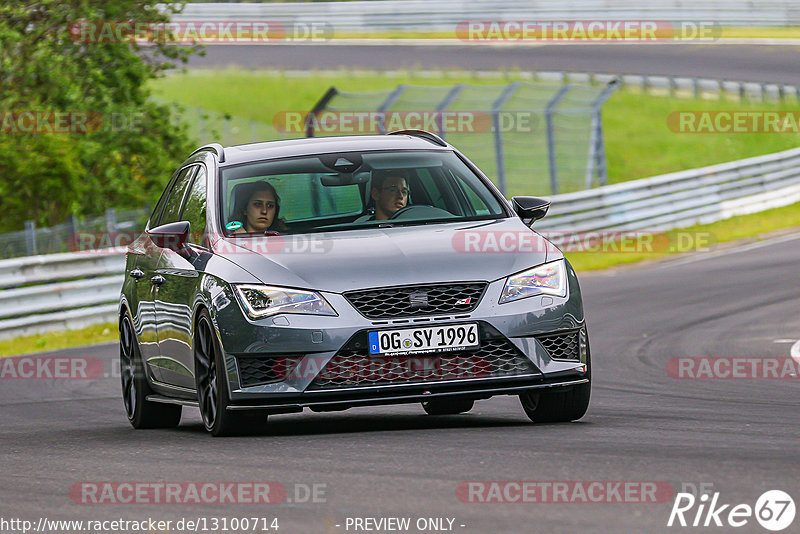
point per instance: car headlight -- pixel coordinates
(546, 279)
(264, 301)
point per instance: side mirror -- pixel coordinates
(173, 236)
(533, 208)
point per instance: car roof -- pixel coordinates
(311, 146)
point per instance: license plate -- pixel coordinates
(443, 338)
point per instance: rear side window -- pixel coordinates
(172, 209)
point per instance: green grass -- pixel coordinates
(99, 333)
(638, 140)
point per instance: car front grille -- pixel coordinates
(406, 301)
(564, 346)
(354, 367)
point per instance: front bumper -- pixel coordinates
(314, 341)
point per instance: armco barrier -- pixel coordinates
(64, 291)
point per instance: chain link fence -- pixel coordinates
(543, 138)
(75, 233)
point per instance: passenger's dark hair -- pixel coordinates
(243, 197)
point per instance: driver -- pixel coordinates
(390, 193)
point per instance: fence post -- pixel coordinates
(111, 220)
(597, 147)
(444, 104)
(72, 232)
(389, 102)
(551, 136)
(30, 238)
(498, 134)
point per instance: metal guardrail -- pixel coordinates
(673, 200)
(680, 199)
(434, 15)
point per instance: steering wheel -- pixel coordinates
(399, 212)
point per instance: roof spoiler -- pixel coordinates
(422, 134)
(215, 147)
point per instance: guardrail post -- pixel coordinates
(30, 238)
(498, 135)
(696, 87)
(551, 137)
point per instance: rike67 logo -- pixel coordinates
(774, 510)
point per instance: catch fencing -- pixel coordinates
(529, 136)
(71, 290)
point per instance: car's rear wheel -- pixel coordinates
(141, 412)
(447, 406)
(557, 406)
(212, 386)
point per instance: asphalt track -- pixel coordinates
(755, 63)
(741, 436)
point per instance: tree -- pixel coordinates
(78, 130)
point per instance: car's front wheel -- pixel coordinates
(212, 385)
(447, 406)
(557, 406)
(141, 412)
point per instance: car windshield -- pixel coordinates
(336, 192)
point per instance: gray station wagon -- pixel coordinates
(330, 273)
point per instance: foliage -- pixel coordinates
(131, 144)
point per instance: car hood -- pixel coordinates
(379, 257)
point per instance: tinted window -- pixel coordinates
(172, 209)
(161, 201)
(195, 209)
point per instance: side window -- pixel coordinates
(431, 187)
(195, 209)
(161, 201)
(172, 209)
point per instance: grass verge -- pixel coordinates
(99, 333)
(638, 141)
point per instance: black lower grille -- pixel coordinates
(384, 303)
(254, 371)
(352, 367)
(564, 346)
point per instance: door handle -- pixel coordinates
(157, 280)
(136, 274)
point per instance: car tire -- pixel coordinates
(447, 406)
(212, 389)
(135, 389)
(557, 406)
